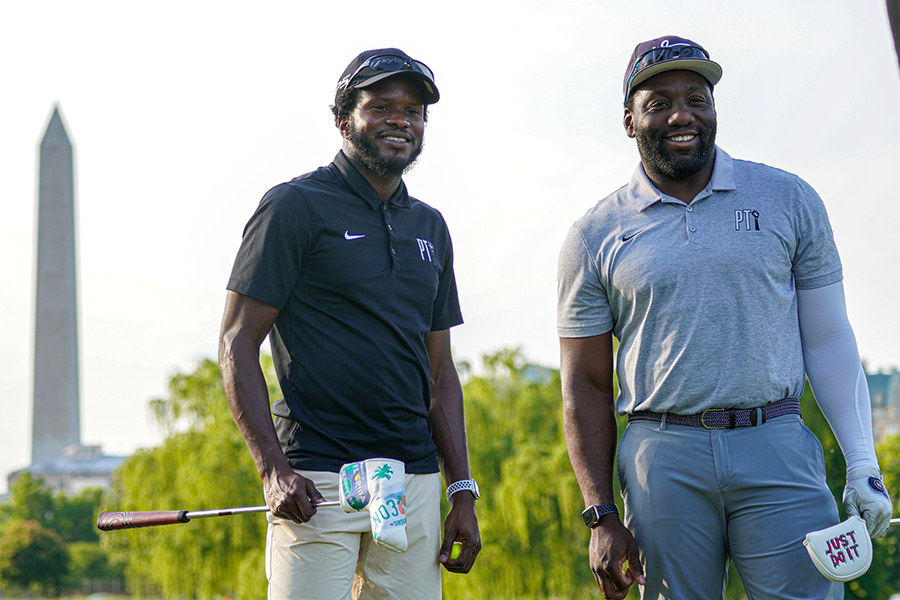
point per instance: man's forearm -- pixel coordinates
(589, 418)
(448, 425)
(248, 399)
(591, 431)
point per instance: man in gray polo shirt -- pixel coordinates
(721, 282)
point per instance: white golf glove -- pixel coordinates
(865, 496)
(377, 485)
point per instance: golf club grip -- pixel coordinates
(109, 521)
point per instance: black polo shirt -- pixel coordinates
(360, 283)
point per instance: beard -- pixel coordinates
(384, 165)
(653, 150)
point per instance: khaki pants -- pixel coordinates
(333, 556)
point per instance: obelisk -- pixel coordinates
(56, 419)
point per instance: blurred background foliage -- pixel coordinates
(535, 545)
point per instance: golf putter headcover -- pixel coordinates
(387, 509)
(354, 487)
(377, 485)
(841, 552)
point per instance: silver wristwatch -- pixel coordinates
(463, 484)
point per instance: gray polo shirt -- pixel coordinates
(701, 297)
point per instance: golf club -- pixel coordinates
(111, 520)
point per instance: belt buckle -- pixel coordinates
(703, 417)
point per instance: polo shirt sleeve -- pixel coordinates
(273, 247)
(582, 308)
(445, 309)
(816, 262)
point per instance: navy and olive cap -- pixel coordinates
(668, 53)
(372, 66)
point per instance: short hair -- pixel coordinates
(347, 100)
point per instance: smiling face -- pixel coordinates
(383, 133)
(673, 117)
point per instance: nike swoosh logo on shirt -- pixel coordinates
(625, 238)
(347, 236)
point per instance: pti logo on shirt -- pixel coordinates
(426, 250)
(742, 219)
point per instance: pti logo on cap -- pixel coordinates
(668, 54)
(374, 65)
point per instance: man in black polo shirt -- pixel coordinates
(352, 279)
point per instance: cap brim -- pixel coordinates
(709, 69)
(430, 90)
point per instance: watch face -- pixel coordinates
(590, 516)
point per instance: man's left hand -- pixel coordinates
(461, 525)
(866, 496)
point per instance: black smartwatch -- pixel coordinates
(592, 514)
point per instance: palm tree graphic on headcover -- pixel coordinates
(383, 472)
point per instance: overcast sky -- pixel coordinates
(184, 113)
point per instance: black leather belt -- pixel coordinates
(725, 418)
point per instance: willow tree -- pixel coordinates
(202, 464)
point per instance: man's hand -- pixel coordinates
(865, 496)
(612, 546)
(461, 525)
(291, 496)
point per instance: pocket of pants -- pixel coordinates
(622, 450)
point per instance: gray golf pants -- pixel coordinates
(695, 498)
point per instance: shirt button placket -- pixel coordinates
(690, 220)
(391, 235)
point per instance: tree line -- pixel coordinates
(535, 545)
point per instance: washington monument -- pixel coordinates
(56, 419)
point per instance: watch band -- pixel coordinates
(592, 514)
(463, 484)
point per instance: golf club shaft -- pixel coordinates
(200, 514)
(111, 520)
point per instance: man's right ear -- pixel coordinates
(628, 123)
(343, 124)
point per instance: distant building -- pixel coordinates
(79, 468)
(884, 391)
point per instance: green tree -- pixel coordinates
(202, 464)
(33, 557)
(87, 560)
(534, 543)
(72, 517)
(31, 500)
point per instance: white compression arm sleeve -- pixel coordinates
(835, 372)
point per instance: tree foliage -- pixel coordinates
(33, 557)
(534, 545)
(69, 516)
(66, 520)
(202, 464)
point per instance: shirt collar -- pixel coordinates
(644, 193)
(362, 188)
